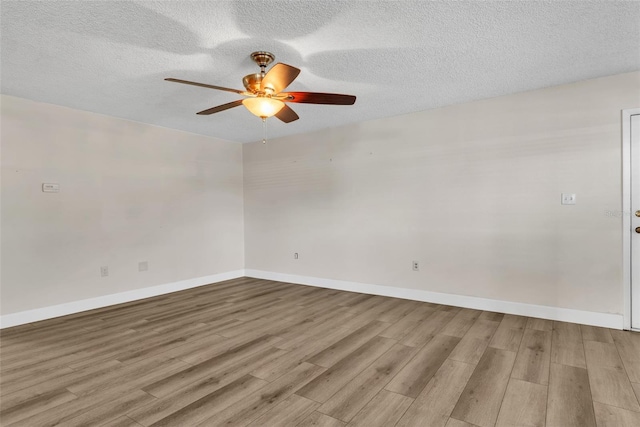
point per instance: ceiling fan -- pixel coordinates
(264, 91)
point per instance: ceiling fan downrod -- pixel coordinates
(263, 59)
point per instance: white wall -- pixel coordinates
(470, 191)
(130, 192)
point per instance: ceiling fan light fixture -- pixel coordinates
(263, 107)
(265, 92)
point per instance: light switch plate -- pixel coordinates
(568, 199)
(48, 187)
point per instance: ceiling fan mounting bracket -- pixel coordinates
(263, 58)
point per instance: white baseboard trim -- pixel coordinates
(605, 320)
(20, 318)
(614, 321)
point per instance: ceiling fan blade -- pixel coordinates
(220, 108)
(318, 98)
(279, 77)
(287, 115)
(186, 82)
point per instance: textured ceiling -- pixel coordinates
(396, 56)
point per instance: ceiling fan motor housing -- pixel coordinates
(252, 82)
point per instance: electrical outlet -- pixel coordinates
(143, 266)
(568, 199)
(295, 256)
(104, 271)
(416, 267)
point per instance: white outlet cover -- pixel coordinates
(568, 199)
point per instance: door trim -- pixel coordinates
(626, 212)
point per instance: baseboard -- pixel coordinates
(605, 320)
(614, 321)
(20, 318)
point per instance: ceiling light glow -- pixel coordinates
(263, 107)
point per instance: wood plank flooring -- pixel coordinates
(251, 352)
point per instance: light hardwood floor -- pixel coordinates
(262, 353)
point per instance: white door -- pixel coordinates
(635, 220)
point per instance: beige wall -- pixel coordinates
(129, 192)
(470, 191)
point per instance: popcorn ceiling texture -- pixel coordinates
(397, 57)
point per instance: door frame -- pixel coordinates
(626, 212)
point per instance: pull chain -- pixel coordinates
(264, 130)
